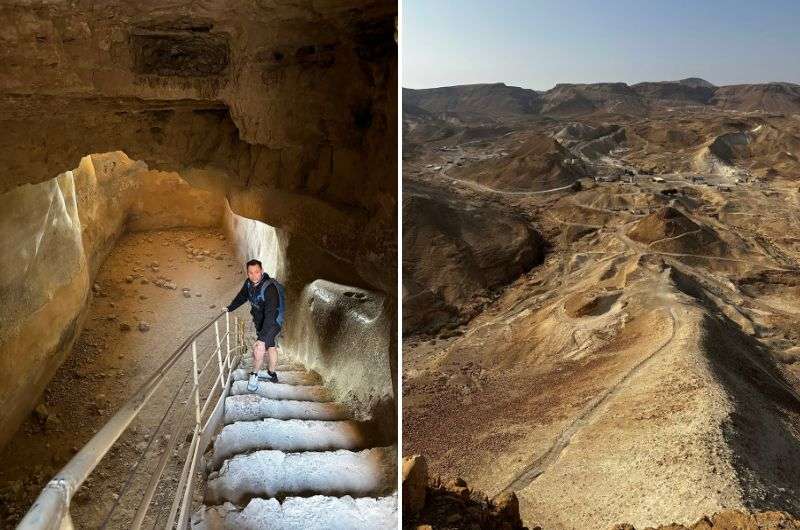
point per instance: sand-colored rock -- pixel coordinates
(415, 483)
(56, 235)
(289, 111)
(345, 334)
(452, 504)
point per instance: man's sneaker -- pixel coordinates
(266, 375)
(252, 383)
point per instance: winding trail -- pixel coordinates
(522, 193)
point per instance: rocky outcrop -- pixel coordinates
(430, 502)
(572, 100)
(691, 91)
(455, 250)
(769, 97)
(567, 99)
(415, 484)
(494, 98)
(344, 334)
(730, 147)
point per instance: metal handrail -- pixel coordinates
(51, 508)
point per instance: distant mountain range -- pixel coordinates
(570, 100)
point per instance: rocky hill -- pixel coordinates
(573, 100)
(495, 99)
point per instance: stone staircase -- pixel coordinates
(288, 457)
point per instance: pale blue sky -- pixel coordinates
(538, 43)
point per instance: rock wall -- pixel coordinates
(432, 502)
(298, 99)
(255, 240)
(343, 333)
(164, 200)
(55, 236)
(44, 290)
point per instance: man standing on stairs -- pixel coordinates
(266, 307)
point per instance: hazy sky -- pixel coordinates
(538, 43)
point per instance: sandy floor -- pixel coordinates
(110, 359)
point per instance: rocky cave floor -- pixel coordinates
(153, 290)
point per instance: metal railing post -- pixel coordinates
(183, 518)
(236, 325)
(196, 386)
(228, 339)
(191, 457)
(219, 357)
(176, 501)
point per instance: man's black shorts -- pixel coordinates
(270, 335)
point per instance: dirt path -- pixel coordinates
(519, 193)
(111, 357)
(542, 463)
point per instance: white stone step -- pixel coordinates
(293, 377)
(283, 391)
(249, 407)
(371, 472)
(301, 513)
(288, 435)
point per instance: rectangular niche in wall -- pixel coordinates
(179, 52)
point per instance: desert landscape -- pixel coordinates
(600, 292)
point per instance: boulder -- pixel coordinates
(415, 482)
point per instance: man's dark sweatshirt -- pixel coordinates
(265, 313)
